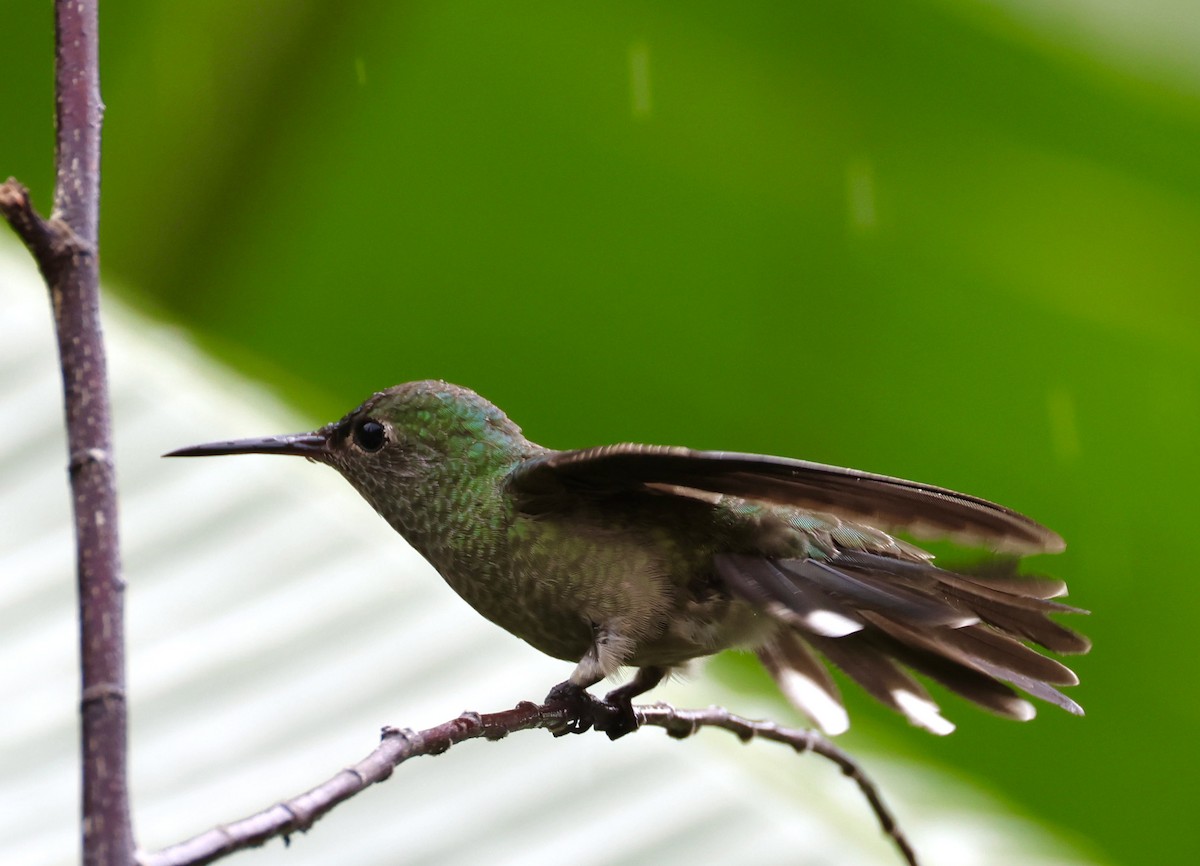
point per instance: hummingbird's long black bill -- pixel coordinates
(312, 445)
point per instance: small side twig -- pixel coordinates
(397, 746)
(39, 235)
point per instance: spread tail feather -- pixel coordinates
(965, 630)
(805, 682)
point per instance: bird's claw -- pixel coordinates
(580, 708)
(621, 719)
(614, 715)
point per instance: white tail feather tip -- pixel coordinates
(1023, 711)
(830, 624)
(922, 713)
(816, 703)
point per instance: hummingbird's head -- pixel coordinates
(399, 441)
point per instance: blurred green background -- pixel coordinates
(953, 241)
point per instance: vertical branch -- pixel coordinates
(77, 114)
(107, 834)
(66, 249)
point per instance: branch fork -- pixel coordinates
(52, 241)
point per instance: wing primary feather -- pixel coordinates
(890, 503)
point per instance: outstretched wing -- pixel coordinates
(876, 616)
(891, 504)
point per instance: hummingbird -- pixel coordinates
(650, 556)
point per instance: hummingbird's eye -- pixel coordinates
(369, 435)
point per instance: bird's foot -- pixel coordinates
(621, 719)
(580, 706)
(613, 715)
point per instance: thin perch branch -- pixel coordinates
(65, 247)
(681, 724)
(397, 746)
